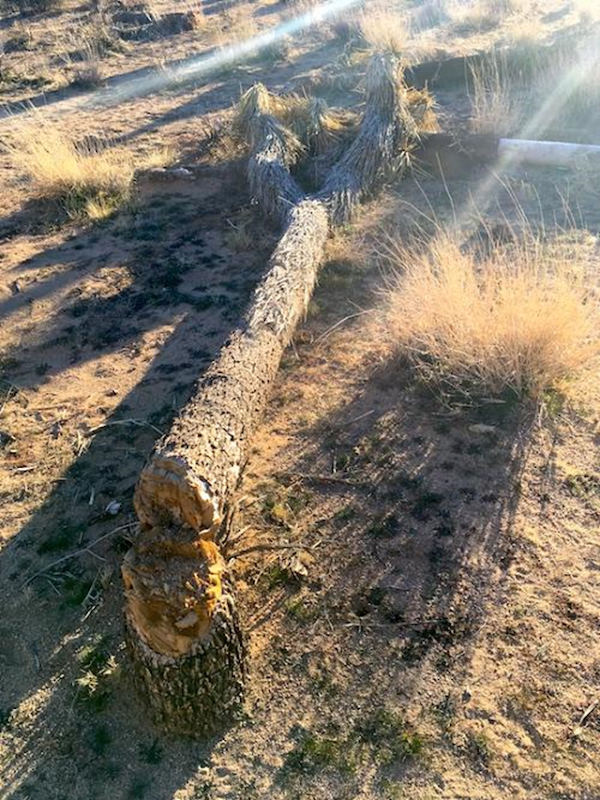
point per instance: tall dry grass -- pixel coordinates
(88, 178)
(496, 105)
(510, 87)
(516, 320)
(478, 15)
(385, 29)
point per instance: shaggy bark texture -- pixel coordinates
(180, 639)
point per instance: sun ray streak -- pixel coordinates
(547, 113)
(205, 64)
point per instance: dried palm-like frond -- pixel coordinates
(421, 105)
(274, 148)
(387, 132)
(327, 127)
(256, 100)
(273, 151)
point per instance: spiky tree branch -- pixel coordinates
(182, 627)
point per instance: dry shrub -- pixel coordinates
(87, 74)
(88, 178)
(486, 14)
(385, 30)
(239, 23)
(515, 321)
(496, 105)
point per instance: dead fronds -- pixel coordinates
(323, 128)
(274, 148)
(385, 31)
(391, 124)
(517, 319)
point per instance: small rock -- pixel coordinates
(173, 174)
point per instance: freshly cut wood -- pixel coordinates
(182, 629)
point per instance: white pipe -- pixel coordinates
(555, 154)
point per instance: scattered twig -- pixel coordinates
(411, 624)
(77, 553)
(234, 539)
(264, 547)
(91, 552)
(139, 422)
(578, 729)
(12, 392)
(91, 589)
(52, 586)
(356, 419)
(329, 331)
(304, 476)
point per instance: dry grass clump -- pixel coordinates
(88, 178)
(510, 87)
(430, 14)
(31, 6)
(385, 30)
(516, 321)
(485, 14)
(526, 33)
(87, 74)
(577, 73)
(497, 106)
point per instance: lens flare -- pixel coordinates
(203, 65)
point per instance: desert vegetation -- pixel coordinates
(90, 178)
(513, 319)
(299, 400)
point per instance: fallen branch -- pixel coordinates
(182, 628)
(142, 423)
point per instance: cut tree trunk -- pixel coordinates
(196, 693)
(186, 647)
(196, 468)
(183, 633)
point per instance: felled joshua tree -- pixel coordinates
(182, 628)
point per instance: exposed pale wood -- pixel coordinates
(199, 692)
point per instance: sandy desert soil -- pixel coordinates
(420, 592)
